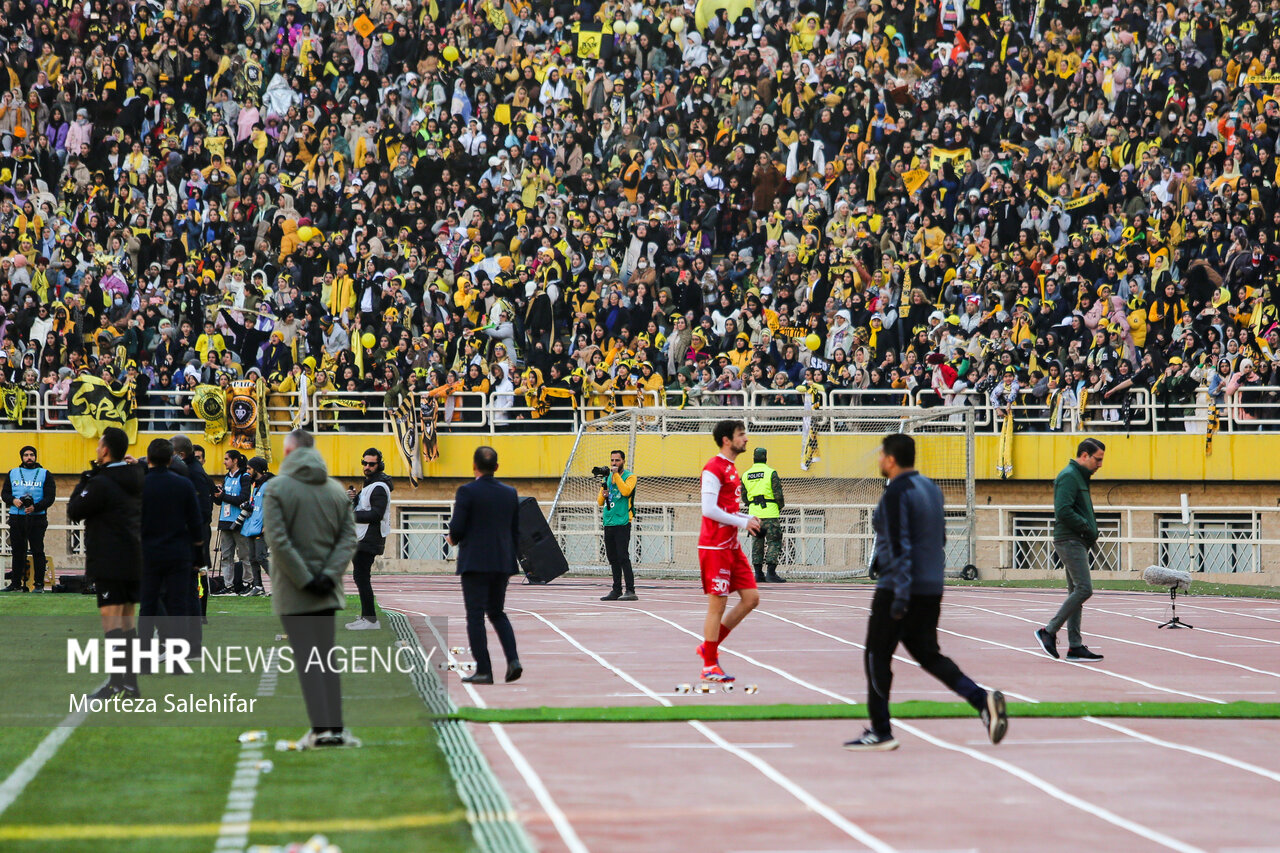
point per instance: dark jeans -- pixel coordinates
(485, 594)
(617, 547)
(321, 687)
(26, 536)
(170, 603)
(918, 633)
(361, 572)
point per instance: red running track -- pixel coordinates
(1101, 785)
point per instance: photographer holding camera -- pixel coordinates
(28, 492)
(617, 498)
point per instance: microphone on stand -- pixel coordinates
(1174, 580)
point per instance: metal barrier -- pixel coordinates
(1219, 539)
(1246, 410)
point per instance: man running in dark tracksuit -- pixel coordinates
(910, 526)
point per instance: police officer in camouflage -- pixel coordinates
(762, 496)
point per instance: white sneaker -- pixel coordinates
(363, 624)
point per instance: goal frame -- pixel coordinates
(628, 425)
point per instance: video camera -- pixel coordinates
(601, 471)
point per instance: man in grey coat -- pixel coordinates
(311, 532)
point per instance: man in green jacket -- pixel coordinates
(617, 508)
(1075, 531)
(311, 533)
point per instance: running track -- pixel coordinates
(1099, 785)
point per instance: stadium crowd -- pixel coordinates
(581, 204)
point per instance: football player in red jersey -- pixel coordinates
(725, 568)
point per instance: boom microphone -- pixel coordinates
(1160, 576)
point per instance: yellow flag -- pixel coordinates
(939, 156)
(589, 44)
(914, 179)
(502, 114)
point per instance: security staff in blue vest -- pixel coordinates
(236, 489)
(28, 493)
(251, 530)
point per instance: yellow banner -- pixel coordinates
(589, 44)
(914, 179)
(939, 156)
(1262, 79)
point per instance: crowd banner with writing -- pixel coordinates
(93, 405)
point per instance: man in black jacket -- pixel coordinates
(186, 460)
(28, 493)
(373, 522)
(171, 534)
(484, 528)
(108, 500)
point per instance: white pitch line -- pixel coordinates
(1202, 630)
(1203, 753)
(1230, 612)
(237, 815)
(1012, 769)
(811, 802)
(842, 640)
(530, 776)
(1057, 793)
(808, 800)
(1177, 652)
(1156, 621)
(1193, 750)
(30, 768)
(1087, 667)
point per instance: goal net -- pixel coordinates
(826, 459)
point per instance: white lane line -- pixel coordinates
(530, 776)
(710, 745)
(843, 641)
(30, 768)
(1014, 770)
(1193, 750)
(811, 802)
(1230, 612)
(1057, 793)
(237, 814)
(1201, 629)
(1156, 621)
(1177, 652)
(534, 781)
(1038, 654)
(1203, 753)
(662, 700)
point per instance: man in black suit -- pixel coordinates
(484, 528)
(171, 535)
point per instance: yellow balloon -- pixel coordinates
(451, 53)
(619, 27)
(370, 341)
(813, 342)
(677, 25)
(633, 28)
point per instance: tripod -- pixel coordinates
(1175, 622)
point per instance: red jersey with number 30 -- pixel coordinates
(714, 534)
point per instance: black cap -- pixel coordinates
(258, 464)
